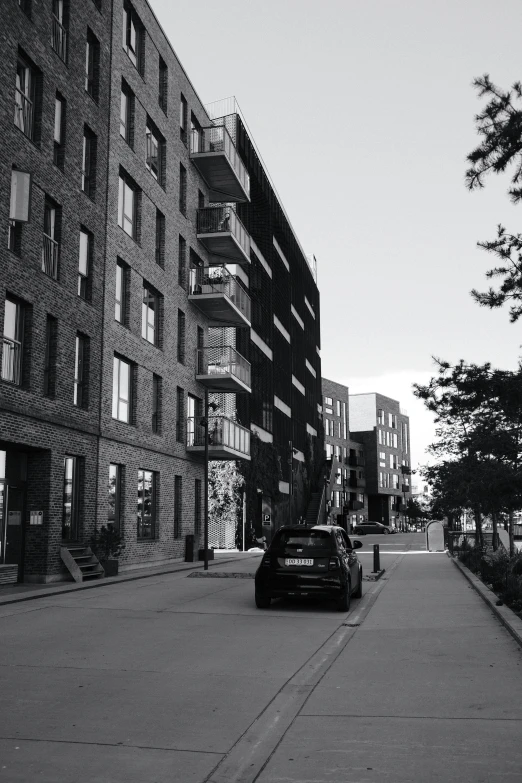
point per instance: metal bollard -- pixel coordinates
(376, 559)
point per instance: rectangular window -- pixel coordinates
(380, 438)
(127, 205)
(150, 313)
(59, 130)
(80, 371)
(180, 414)
(201, 200)
(13, 341)
(339, 429)
(380, 416)
(127, 113)
(133, 37)
(328, 401)
(178, 505)
(92, 65)
(59, 32)
(121, 308)
(51, 345)
(160, 238)
(114, 496)
(70, 499)
(197, 506)
(338, 408)
(183, 119)
(157, 383)
(155, 152)
(181, 337)
(147, 514)
(89, 162)
(182, 189)
(84, 263)
(395, 440)
(163, 85)
(122, 390)
(25, 98)
(18, 208)
(182, 262)
(51, 238)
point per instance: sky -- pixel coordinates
(363, 112)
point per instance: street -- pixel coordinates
(175, 678)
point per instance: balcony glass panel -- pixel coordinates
(223, 360)
(216, 138)
(12, 361)
(50, 256)
(223, 219)
(218, 280)
(221, 432)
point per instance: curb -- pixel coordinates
(507, 617)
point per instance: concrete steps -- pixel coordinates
(81, 562)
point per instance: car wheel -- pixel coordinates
(262, 601)
(343, 602)
(386, 532)
(358, 592)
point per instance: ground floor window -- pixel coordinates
(147, 497)
(114, 495)
(70, 498)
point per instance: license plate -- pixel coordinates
(299, 561)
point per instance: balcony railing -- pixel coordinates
(59, 39)
(24, 113)
(218, 280)
(223, 220)
(222, 432)
(223, 360)
(355, 481)
(12, 361)
(50, 251)
(216, 138)
(355, 461)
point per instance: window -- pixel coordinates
(121, 308)
(194, 412)
(182, 262)
(181, 337)
(150, 312)
(183, 113)
(121, 390)
(133, 37)
(157, 384)
(395, 479)
(51, 345)
(338, 408)
(25, 5)
(19, 208)
(59, 130)
(178, 505)
(163, 84)
(395, 440)
(155, 145)
(160, 238)
(114, 496)
(182, 189)
(89, 162)
(393, 461)
(147, 515)
(180, 414)
(80, 371)
(338, 429)
(84, 263)
(127, 113)
(13, 341)
(25, 97)
(51, 236)
(345, 430)
(59, 32)
(92, 65)
(127, 205)
(196, 135)
(382, 459)
(380, 416)
(70, 498)
(201, 200)
(380, 437)
(328, 401)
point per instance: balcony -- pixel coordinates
(12, 361)
(223, 369)
(226, 438)
(24, 113)
(355, 481)
(213, 153)
(220, 296)
(50, 251)
(223, 234)
(59, 39)
(356, 462)
(355, 505)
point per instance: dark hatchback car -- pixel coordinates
(306, 561)
(371, 527)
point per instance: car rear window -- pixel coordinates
(305, 538)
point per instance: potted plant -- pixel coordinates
(107, 544)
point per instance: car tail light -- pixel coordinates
(334, 564)
(266, 561)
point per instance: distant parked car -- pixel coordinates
(366, 528)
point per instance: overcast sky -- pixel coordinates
(363, 113)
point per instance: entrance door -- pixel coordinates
(14, 521)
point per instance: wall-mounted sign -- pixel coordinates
(14, 517)
(36, 517)
(266, 517)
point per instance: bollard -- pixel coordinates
(376, 559)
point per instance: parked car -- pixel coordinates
(364, 528)
(305, 561)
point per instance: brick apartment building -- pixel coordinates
(383, 428)
(146, 257)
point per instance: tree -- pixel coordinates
(225, 485)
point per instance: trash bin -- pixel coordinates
(189, 548)
(201, 554)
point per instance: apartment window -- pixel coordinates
(382, 459)
(18, 208)
(81, 371)
(71, 481)
(194, 412)
(155, 146)
(133, 37)
(157, 384)
(163, 85)
(183, 119)
(51, 345)
(178, 505)
(195, 135)
(122, 390)
(147, 512)
(182, 189)
(51, 238)
(59, 130)
(114, 496)
(338, 408)
(329, 450)
(150, 314)
(59, 31)
(197, 506)
(180, 414)
(201, 199)
(160, 238)
(181, 337)
(393, 461)
(84, 263)
(200, 344)
(127, 113)
(127, 205)
(380, 416)
(182, 262)
(121, 305)
(89, 162)
(25, 115)
(395, 440)
(328, 401)
(381, 440)
(395, 479)
(92, 65)
(338, 429)
(13, 341)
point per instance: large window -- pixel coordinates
(25, 92)
(89, 162)
(59, 130)
(180, 414)
(155, 152)
(84, 263)
(197, 506)
(182, 262)
(133, 35)
(51, 238)
(70, 499)
(13, 341)
(160, 238)
(182, 189)
(157, 384)
(51, 344)
(127, 205)
(114, 496)
(92, 65)
(59, 32)
(81, 370)
(127, 113)
(178, 505)
(150, 312)
(18, 208)
(183, 119)
(181, 337)
(121, 309)
(163, 85)
(147, 514)
(122, 390)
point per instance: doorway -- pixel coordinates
(13, 469)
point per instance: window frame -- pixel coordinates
(117, 399)
(122, 302)
(117, 493)
(16, 340)
(126, 217)
(80, 370)
(140, 524)
(150, 296)
(84, 277)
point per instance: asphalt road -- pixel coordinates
(175, 678)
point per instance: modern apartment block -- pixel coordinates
(146, 259)
(383, 428)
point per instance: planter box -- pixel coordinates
(110, 567)
(201, 554)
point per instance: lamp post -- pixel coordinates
(205, 479)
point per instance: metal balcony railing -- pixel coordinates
(221, 432)
(218, 280)
(59, 38)
(223, 219)
(24, 113)
(223, 360)
(50, 252)
(12, 361)
(216, 138)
